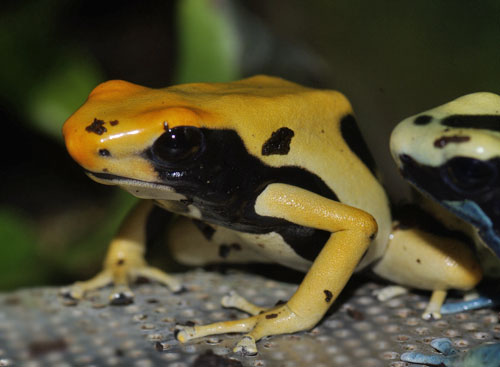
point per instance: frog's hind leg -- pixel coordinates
(125, 261)
(423, 260)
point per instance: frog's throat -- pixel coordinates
(138, 188)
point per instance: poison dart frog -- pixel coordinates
(278, 170)
(452, 155)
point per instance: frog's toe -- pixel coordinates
(419, 358)
(184, 333)
(159, 276)
(246, 346)
(431, 315)
(444, 345)
(389, 292)
(433, 309)
(78, 289)
(234, 300)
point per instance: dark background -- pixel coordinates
(391, 58)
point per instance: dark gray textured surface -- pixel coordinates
(38, 329)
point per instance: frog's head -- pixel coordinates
(193, 137)
(452, 154)
(124, 132)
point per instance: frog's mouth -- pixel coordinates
(138, 188)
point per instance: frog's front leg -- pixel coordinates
(352, 230)
(125, 261)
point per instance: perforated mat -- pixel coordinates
(37, 328)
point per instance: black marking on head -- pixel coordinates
(120, 262)
(224, 181)
(422, 120)
(206, 229)
(114, 122)
(271, 316)
(419, 261)
(460, 179)
(485, 122)
(328, 295)
(279, 142)
(354, 139)
(444, 140)
(104, 153)
(96, 127)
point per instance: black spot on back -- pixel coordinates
(422, 120)
(486, 122)
(352, 136)
(279, 142)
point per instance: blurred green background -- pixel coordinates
(391, 58)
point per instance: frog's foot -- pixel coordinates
(277, 320)
(433, 309)
(121, 278)
(444, 345)
(389, 292)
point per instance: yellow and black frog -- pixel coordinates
(277, 169)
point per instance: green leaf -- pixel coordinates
(18, 257)
(208, 42)
(55, 98)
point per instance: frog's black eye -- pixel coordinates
(178, 144)
(469, 175)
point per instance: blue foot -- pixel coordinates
(485, 355)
